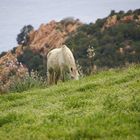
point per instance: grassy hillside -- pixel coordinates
(102, 106)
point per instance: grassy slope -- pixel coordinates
(102, 106)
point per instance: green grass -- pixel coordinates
(102, 106)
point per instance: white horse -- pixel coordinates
(60, 61)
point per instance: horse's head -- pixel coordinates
(74, 73)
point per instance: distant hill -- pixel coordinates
(101, 106)
(114, 39)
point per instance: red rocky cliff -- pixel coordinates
(51, 35)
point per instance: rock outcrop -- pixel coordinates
(111, 21)
(51, 35)
(127, 18)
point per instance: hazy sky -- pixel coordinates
(14, 14)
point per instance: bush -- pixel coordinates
(2, 54)
(33, 61)
(28, 82)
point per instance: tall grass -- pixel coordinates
(28, 82)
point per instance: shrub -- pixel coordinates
(28, 82)
(33, 61)
(2, 54)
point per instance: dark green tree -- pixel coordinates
(33, 61)
(22, 37)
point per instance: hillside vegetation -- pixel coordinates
(115, 40)
(101, 106)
